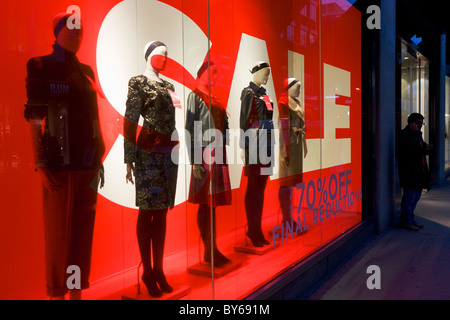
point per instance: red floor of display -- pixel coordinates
(248, 273)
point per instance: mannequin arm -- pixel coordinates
(130, 173)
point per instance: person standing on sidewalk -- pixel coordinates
(413, 169)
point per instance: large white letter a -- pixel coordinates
(374, 20)
(74, 21)
(374, 281)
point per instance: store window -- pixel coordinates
(415, 86)
(210, 145)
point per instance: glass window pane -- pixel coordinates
(228, 134)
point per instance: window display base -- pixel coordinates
(245, 246)
(133, 294)
(204, 269)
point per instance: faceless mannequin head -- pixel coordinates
(294, 87)
(261, 73)
(69, 39)
(156, 55)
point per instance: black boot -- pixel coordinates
(254, 202)
(158, 243)
(143, 231)
(150, 282)
(204, 225)
(161, 280)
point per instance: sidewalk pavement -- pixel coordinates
(414, 265)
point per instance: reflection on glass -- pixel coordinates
(207, 124)
(63, 113)
(293, 147)
(298, 40)
(149, 160)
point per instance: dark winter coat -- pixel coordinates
(411, 152)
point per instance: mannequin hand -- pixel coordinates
(243, 156)
(198, 171)
(130, 173)
(101, 175)
(284, 162)
(305, 149)
(49, 179)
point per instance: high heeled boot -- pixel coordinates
(209, 240)
(158, 243)
(143, 231)
(150, 282)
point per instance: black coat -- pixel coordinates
(411, 152)
(256, 116)
(61, 91)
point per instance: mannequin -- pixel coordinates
(208, 109)
(293, 147)
(156, 62)
(148, 159)
(63, 113)
(256, 114)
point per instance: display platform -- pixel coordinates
(133, 293)
(246, 246)
(204, 269)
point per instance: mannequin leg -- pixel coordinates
(82, 227)
(57, 215)
(259, 201)
(204, 225)
(254, 203)
(250, 212)
(143, 231)
(284, 197)
(158, 242)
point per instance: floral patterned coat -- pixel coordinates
(151, 152)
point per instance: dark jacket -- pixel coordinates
(61, 91)
(411, 152)
(212, 115)
(256, 116)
